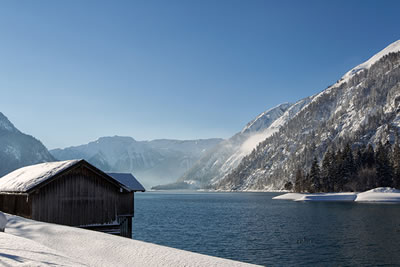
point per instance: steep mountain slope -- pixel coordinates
(227, 155)
(362, 107)
(18, 149)
(153, 162)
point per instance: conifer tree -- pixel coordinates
(299, 181)
(348, 166)
(337, 178)
(315, 176)
(384, 170)
(307, 183)
(396, 164)
(369, 157)
(327, 171)
(358, 160)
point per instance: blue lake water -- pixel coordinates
(251, 227)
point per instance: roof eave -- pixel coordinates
(14, 193)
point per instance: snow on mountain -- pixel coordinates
(276, 121)
(18, 149)
(265, 119)
(153, 162)
(227, 155)
(363, 107)
(392, 48)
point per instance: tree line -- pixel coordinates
(352, 168)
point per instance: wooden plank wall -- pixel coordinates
(19, 205)
(80, 197)
(125, 203)
(125, 226)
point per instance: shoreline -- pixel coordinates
(377, 195)
(65, 245)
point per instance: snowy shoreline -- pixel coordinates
(33, 243)
(380, 194)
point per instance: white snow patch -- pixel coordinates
(270, 114)
(392, 48)
(289, 196)
(20, 251)
(191, 182)
(380, 194)
(95, 248)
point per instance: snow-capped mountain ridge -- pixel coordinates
(392, 48)
(263, 119)
(362, 107)
(227, 155)
(6, 125)
(153, 162)
(18, 149)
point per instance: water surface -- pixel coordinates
(251, 227)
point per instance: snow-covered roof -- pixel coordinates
(128, 180)
(26, 178)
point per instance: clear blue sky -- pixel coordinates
(72, 71)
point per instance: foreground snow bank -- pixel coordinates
(19, 251)
(380, 194)
(90, 248)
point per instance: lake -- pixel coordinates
(253, 228)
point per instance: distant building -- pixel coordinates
(71, 192)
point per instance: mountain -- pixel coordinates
(363, 107)
(226, 156)
(152, 162)
(18, 149)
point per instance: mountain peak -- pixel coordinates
(5, 124)
(115, 138)
(392, 48)
(266, 118)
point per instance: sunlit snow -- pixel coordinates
(380, 194)
(32, 243)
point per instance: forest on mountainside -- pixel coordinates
(353, 168)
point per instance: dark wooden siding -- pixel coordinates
(16, 204)
(126, 203)
(125, 226)
(80, 197)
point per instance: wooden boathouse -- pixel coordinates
(73, 193)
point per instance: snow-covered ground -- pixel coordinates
(20, 251)
(380, 194)
(32, 243)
